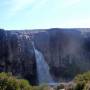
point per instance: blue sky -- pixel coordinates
(37, 14)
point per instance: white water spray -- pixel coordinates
(43, 72)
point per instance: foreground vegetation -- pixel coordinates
(82, 81)
(9, 82)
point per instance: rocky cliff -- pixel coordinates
(67, 52)
(17, 55)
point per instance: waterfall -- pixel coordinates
(42, 68)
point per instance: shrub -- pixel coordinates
(9, 82)
(82, 80)
(24, 84)
(79, 86)
(87, 86)
(83, 77)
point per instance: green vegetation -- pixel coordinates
(9, 82)
(83, 77)
(42, 87)
(82, 81)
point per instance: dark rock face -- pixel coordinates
(3, 51)
(17, 55)
(67, 51)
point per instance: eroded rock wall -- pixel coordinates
(65, 52)
(17, 55)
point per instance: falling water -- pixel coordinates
(42, 68)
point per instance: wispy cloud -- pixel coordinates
(18, 5)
